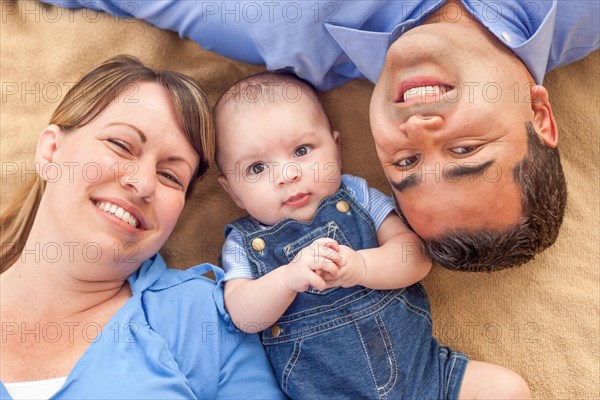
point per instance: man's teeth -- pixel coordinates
(118, 212)
(424, 93)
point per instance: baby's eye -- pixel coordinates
(464, 149)
(407, 162)
(257, 168)
(302, 151)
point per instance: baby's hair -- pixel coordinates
(264, 90)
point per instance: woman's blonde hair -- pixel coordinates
(84, 102)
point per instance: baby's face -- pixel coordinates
(279, 160)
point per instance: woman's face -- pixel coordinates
(116, 186)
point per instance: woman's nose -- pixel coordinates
(141, 179)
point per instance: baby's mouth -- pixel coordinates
(298, 200)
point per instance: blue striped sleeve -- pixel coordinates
(380, 206)
(234, 258)
(375, 202)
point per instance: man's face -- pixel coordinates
(448, 117)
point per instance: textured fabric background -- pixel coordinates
(541, 319)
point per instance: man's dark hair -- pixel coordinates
(543, 199)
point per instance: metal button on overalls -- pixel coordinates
(342, 206)
(258, 244)
(275, 330)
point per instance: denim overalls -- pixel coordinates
(355, 342)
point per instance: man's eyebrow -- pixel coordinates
(406, 183)
(459, 171)
(454, 172)
(135, 128)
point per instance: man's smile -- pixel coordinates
(422, 89)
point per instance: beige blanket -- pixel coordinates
(541, 319)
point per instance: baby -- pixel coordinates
(323, 267)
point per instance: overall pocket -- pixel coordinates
(330, 230)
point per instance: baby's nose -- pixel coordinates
(290, 173)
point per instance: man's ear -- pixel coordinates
(225, 184)
(543, 119)
(47, 145)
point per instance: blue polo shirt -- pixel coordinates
(171, 339)
(329, 42)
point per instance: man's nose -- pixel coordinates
(421, 124)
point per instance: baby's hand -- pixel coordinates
(351, 268)
(305, 270)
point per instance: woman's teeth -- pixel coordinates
(118, 212)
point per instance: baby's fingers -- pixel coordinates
(333, 283)
(327, 276)
(333, 256)
(326, 242)
(325, 247)
(317, 282)
(328, 251)
(326, 265)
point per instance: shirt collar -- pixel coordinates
(368, 49)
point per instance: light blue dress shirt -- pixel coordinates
(331, 42)
(171, 340)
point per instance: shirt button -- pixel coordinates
(275, 330)
(258, 244)
(342, 206)
(506, 36)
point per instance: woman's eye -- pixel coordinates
(407, 162)
(120, 144)
(464, 149)
(171, 177)
(257, 168)
(302, 151)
